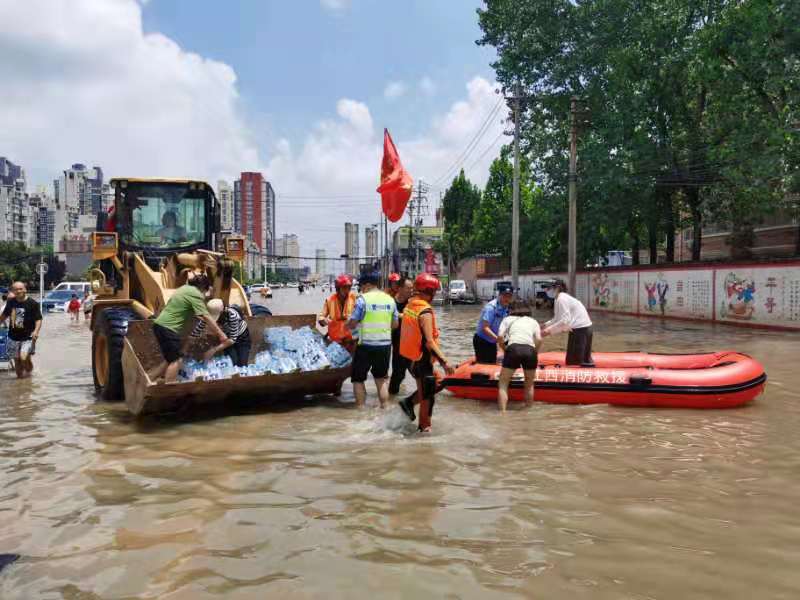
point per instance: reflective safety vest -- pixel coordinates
(339, 315)
(376, 326)
(411, 338)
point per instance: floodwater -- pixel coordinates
(320, 500)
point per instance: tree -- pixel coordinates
(693, 108)
(459, 204)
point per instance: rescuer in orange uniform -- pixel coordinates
(337, 310)
(419, 344)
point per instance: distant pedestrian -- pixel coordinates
(74, 308)
(570, 315)
(87, 304)
(25, 321)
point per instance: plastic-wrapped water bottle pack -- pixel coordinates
(289, 351)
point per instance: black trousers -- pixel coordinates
(399, 367)
(579, 347)
(240, 351)
(485, 352)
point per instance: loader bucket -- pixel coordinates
(143, 396)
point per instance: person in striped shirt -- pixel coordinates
(230, 320)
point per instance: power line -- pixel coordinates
(471, 145)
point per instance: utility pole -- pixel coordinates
(573, 194)
(417, 209)
(515, 194)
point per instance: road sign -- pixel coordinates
(41, 268)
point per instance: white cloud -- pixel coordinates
(130, 102)
(139, 104)
(337, 167)
(336, 6)
(394, 89)
(427, 86)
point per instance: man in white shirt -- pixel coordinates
(519, 337)
(570, 315)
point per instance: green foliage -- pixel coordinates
(692, 109)
(459, 204)
(18, 263)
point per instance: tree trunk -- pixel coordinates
(652, 239)
(669, 225)
(637, 243)
(693, 200)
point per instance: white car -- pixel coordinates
(459, 293)
(261, 289)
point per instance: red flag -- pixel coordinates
(396, 183)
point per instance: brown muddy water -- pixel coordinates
(319, 500)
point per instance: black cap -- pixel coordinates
(505, 288)
(370, 277)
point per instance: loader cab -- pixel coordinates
(161, 217)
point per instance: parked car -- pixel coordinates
(57, 300)
(543, 293)
(261, 289)
(76, 287)
(459, 294)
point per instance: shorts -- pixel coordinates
(520, 356)
(374, 358)
(17, 347)
(485, 352)
(169, 342)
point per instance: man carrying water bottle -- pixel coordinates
(374, 315)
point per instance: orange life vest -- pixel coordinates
(411, 338)
(338, 314)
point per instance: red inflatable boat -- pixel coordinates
(715, 380)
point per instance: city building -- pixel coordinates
(43, 219)
(413, 250)
(225, 197)
(288, 249)
(320, 268)
(83, 189)
(371, 240)
(351, 246)
(254, 211)
(15, 211)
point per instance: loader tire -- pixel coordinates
(108, 340)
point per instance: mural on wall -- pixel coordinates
(738, 301)
(657, 289)
(601, 294)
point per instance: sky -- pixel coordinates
(299, 90)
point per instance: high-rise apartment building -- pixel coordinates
(225, 197)
(254, 210)
(15, 211)
(82, 189)
(371, 240)
(351, 246)
(288, 248)
(43, 219)
(320, 268)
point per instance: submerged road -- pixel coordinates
(320, 500)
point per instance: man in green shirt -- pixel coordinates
(187, 303)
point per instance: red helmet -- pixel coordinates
(425, 282)
(394, 277)
(343, 281)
